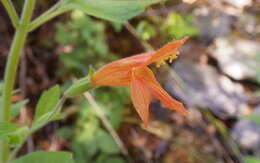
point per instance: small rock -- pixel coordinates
(248, 24)
(247, 133)
(235, 55)
(212, 23)
(239, 3)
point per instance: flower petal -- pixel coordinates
(167, 49)
(141, 98)
(167, 100)
(146, 76)
(112, 75)
(118, 73)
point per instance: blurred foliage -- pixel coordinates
(117, 26)
(222, 130)
(253, 117)
(89, 141)
(145, 30)
(85, 39)
(84, 44)
(177, 26)
(220, 126)
(46, 157)
(250, 159)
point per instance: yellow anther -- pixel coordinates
(159, 62)
(169, 57)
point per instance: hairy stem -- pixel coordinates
(11, 69)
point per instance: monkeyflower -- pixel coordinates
(134, 73)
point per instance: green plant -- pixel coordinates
(88, 46)
(250, 159)
(145, 30)
(51, 101)
(88, 140)
(174, 26)
(178, 26)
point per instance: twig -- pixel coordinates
(145, 44)
(106, 123)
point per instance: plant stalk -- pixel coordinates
(11, 69)
(50, 14)
(8, 5)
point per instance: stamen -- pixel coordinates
(160, 62)
(169, 57)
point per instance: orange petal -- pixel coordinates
(118, 73)
(136, 60)
(112, 75)
(167, 100)
(147, 77)
(141, 98)
(167, 49)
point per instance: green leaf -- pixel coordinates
(13, 133)
(48, 100)
(178, 26)
(253, 117)
(15, 108)
(46, 157)
(46, 118)
(18, 136)
(113, 10)
(79, 87)
(145, 30)
(250, 159)
(91, 71)
(106, 143)
(7, 129)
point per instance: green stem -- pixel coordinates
(11, 12)
(11, 69)
(10, 72)
(48, 15)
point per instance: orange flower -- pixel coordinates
(133, 72)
